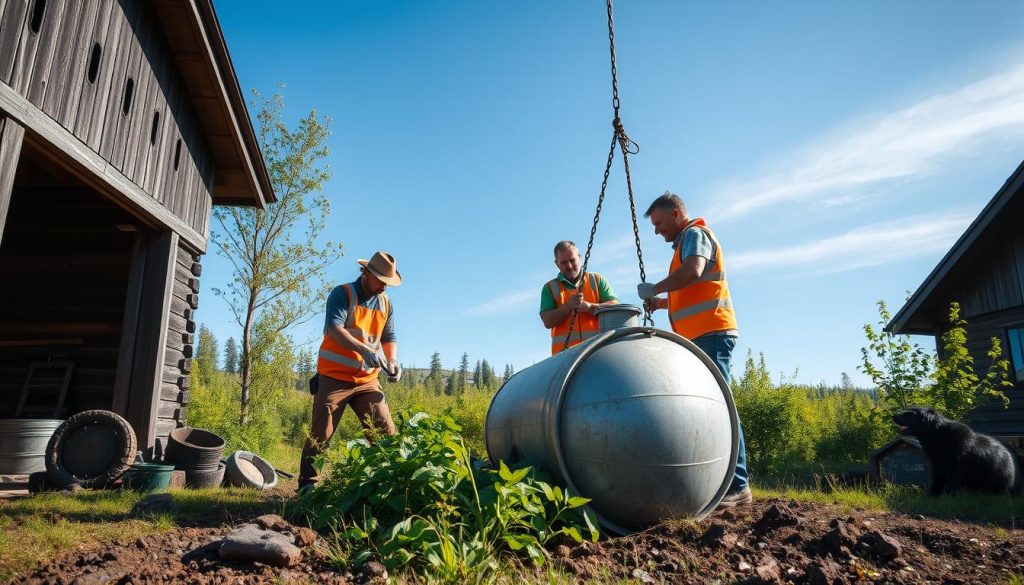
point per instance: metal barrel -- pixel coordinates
(637, 419)
(23, 444)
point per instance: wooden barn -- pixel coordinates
(121, 123)
(984, 272)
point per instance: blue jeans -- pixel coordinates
(719, 348)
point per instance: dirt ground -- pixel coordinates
(772, 541)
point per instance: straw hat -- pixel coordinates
(383, 266)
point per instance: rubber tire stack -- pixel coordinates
(90, 449)
(198, 453)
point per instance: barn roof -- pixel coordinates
(197, 44)
(912, 318)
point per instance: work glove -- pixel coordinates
(645, 290)
(394, 372)
(370, 358)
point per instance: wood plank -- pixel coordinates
(60, 146)
(38, 82)
(70, 62)
(181, 324)
(25, 53)
(118, 128)
(153, 64)
(172, 393)
(130, 326)
(168, 410)
(13, 26)
(136, 131)
(155, 157)
(101, 132)
(93, 96)
(147, 370)
(11, 135)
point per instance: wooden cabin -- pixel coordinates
(984, 272)
(121, 124)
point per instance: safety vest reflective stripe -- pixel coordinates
(700, 308)
(576, 335)
(340, 359)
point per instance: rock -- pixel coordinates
(643, 576)
(841, 539)
(273, 522)
(305, 537)
(885, 547)
(776, 517)
(374, 572)
(154, 504)
(141, 543)
(718, 535)
(824, 572)
(743, 566)
(250, 543)
(668, 566)
(768, 570)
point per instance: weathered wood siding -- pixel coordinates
(103, 70)
(990, 290)
(66, 269)
(178, 353)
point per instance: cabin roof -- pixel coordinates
(912, 317)
(198, 48)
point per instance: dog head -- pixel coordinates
(915, 419)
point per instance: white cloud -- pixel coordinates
(505, 303)
(871, 245)
(911, 143)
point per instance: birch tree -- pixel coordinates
(278, 261)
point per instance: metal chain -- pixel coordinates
(593, 233)
(628, 147)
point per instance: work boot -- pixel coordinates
(742, 497)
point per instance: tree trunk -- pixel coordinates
(247, 361)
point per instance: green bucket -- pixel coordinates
(148, 477)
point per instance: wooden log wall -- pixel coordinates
(179, 350)
(103, 70)
(66, 269)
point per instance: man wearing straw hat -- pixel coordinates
(359, 341)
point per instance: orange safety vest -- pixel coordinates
(365, 324)
(705, 305)
(586, 324)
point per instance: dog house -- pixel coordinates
(121, 124)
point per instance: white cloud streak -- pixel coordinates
(911, 143)
(871, 245)
(505, 303)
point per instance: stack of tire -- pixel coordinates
(198, 453)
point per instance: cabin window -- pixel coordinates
(1016, 338)
(129, 92)
(94, 62)
(155, 129)
(38, 10)
(177, 154)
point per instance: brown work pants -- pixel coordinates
(366, 399)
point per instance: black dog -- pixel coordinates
(959, 457)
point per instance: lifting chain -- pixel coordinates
(627, 146)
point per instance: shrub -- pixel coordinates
(419, 499)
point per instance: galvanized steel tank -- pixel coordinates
(638, 419)
(23, 444)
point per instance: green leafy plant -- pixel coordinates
(420, 499)
(907, 375)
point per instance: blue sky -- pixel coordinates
(837, 149)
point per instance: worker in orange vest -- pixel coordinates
(572, 291)
(359, 328)
(699, 304)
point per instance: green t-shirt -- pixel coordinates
(604, 292)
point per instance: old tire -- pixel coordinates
(194, 448)
(91, 449)
(245, 469)
(204, 477)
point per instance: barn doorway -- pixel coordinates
(65, 269)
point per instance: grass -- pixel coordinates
(36, 529)
(1002, 510)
